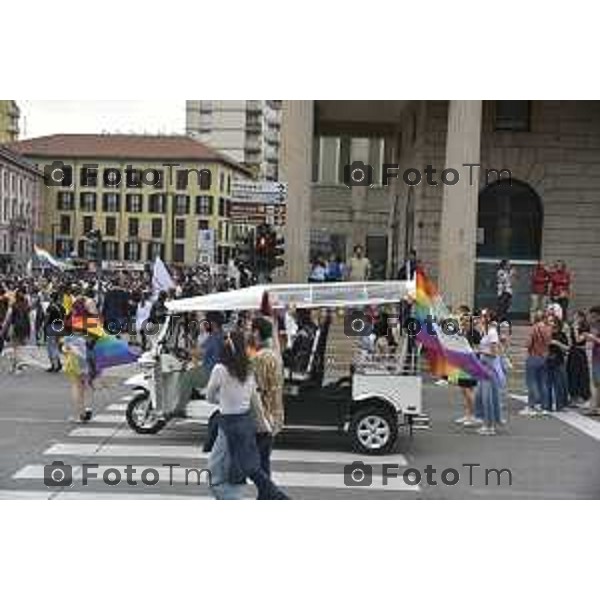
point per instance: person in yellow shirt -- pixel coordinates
(67, 301)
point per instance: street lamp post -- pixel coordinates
(53, 228)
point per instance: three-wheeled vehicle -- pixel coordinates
(370, 401)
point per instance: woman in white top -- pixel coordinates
(235, 455)
(488, 390)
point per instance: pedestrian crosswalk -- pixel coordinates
(106, 460)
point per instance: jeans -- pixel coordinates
(219, 465)
(240, 431)
(557, 387)
(264, 441)
(503, 306)
(487, 399)
(536, 378)
(53, 351)
(489, 402)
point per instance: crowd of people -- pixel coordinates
(30, 303)
(558, 373)
(334, 269)
(242, 364)
(482, 398)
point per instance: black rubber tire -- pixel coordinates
(381, 412)
(139, 398)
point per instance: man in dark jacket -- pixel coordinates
(53, 325)
(115, 311)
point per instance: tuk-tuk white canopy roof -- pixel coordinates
(310, 295)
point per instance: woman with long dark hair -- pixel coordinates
(234, 456)
(578, 371)
(19, 326)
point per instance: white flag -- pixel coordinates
(161, 279)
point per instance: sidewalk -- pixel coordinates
(36, 358)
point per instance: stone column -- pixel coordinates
(395, 233)
(297, 130)
(458, 228)
(359, 197)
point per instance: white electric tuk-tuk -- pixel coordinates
(369, 399)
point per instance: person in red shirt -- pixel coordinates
(539, 289)
(560, 286)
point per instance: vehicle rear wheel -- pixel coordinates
(140, 415)
(374, 430)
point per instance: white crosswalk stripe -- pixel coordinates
(109, 443)
(108, 418)
(117, 407)
(191, 452)
(69, 495)
(190, 476)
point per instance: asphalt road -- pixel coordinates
(547, 458)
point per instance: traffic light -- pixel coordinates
(277, 250)
(262, 246)
(245, 254)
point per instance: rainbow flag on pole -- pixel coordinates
(45, 256)
(109, 351)
(449, 355)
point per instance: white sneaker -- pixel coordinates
(441, 382)
(460, 420)
(527, 412)
(471, 422)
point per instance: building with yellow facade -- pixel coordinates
(148, 195)
(9, 121)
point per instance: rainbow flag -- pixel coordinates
(45, 256)
(109, 351)
(449, 355)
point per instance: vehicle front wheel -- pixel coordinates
(140, 415)
(374, 430)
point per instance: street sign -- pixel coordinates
(122, 265)
(206, 246)
(268, 192)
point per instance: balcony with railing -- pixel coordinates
(254, 124)
(254, 106)
(253, 144)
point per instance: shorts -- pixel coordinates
(467, 383)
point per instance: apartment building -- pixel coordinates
(149, 195)
(9, 121)
(247, 131)
(21, 191)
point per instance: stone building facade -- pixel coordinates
(551, 211)
(21, 206)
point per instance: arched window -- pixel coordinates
(510, 221)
